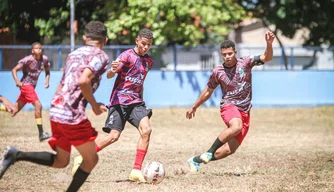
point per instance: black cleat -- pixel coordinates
(7, 159)
(44, 136)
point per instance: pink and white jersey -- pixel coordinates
(68, 105)
(235, 82)
(130, 79)
(32, 68)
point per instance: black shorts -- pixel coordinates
(118, 115)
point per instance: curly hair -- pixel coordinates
(227, 44)
(95, 30)
(146, 33)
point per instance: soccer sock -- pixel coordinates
(39, 125)
(3, 108)
(79, 178)
(140, 155)
(215, 146)
(97, 148)
(41, 158)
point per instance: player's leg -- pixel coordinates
(233, 119)
(227, 149)
(39, 121)
(139, 117)
(90, 159)
(18, 105)
(59, 160)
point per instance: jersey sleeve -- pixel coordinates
(98, 63)
(213, 80)
(46, 61)
(253, 60)
(124, 58)
(23, 61)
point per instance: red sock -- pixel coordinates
(97, 148)
(140, 155)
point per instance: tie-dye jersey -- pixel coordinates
(68, 105)
(235, 82)
(32, 68)
(130, 79)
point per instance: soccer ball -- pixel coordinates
(154, 172)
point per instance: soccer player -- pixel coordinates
(69, 123)
(235, 79)
(32, 66)
(7, 105)
(126, 100)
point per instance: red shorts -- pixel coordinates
(65, 135)
(28, 94)
(229, 112)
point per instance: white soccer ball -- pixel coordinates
(154, 172)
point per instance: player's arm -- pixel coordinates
(204, 96)
(114, 68)
(47, 75)
(268, 54)
(14, 74)
(87, 91)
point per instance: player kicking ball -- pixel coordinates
(126, 101)
(235, 79)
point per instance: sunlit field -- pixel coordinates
(286, 149)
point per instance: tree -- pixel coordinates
(292, 15)
(32, 20)
(187, 22)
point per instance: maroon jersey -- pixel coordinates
(235, 82)
(32, 68)
(130, 79)
(68, 105)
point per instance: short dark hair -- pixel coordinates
(95, 30)
(146, 33)
(227, 44)
(35, 43)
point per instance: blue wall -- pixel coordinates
(181, 88)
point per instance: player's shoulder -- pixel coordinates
(45, 57)
(218, 68)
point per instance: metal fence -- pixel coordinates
(187, 58)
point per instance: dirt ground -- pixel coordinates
(286, 149)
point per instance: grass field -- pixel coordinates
(286, 149)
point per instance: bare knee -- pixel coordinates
(61, 163)
(146, 131)
(89, 163)
(236, 127)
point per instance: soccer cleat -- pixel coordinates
(137, 176)
(44, 136)
(206, 157)
(77, 162)
(194, 166)
(7, 159)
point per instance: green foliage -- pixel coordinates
(292, 15)
(173, 21)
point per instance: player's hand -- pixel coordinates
(191, 113)
(270, 36)
(18, 84)
(99, 108)
(46, 85)
(115, 64)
